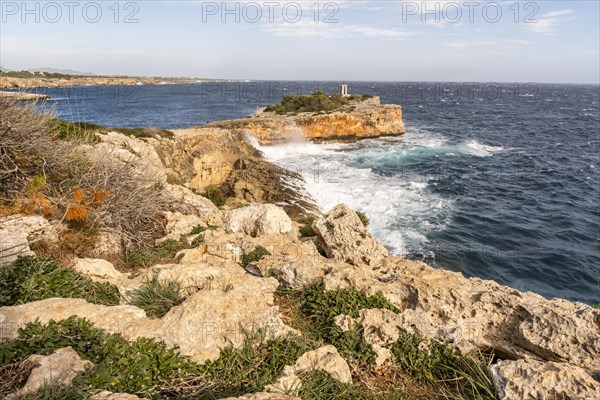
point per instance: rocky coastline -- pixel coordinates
(242, 260)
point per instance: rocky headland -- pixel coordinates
(270, 298)
(358, 119)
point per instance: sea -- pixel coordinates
(495, 180)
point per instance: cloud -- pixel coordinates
(474, 43)
(546, 24)
(310, 30)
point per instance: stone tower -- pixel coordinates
(344, 89)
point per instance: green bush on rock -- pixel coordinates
(34, 278)
(157, 298)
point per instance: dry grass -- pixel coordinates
(14, 376)
(40, 173)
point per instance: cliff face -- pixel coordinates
(365, 119)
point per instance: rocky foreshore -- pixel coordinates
(50, 82)
(539, 348)
(23, 96)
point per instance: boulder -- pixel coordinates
(477, 314)
(180, 224)
(16, 233)
(532, 380)
(96, 269)
(186, 202)
(325, 358)
(258, 220)
(60, 367)
(344, 237)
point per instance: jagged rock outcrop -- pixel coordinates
(258, 220)
(18, 231)
(473, 313)
(366, 119)
(325, 359)
(59, 368)
(344, 237)
(532, 380)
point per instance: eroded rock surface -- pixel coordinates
(258, 220)
(16, 233)
(532, 380)
(60, 367)
(325, 359)
(344, 237)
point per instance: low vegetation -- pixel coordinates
(42, 175)
(306, 229)
(315, 103)
(255, 255)
(33, 278)
(140, 367)
(164, 251)
(214, 194)
(363, 218)
(156, 298)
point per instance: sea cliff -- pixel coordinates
(202, 273)
(361, 118)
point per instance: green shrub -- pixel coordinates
(34, 278)
(215, 195)
(251, 367)
(157, 298)
(163, 251)
(363, 218)
(319, 385)
(306, 229)
(76, 131)
(198, 240)
(443, 365)
(314, 103)
(255, 255)
(139, 367)
(320, 308)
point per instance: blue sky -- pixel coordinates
(364, 40)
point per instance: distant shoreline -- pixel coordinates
(9, 82)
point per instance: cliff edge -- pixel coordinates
(361, 117)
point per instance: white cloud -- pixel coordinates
(310, 29)
(546, 24)
(554, 14)
(473, 43)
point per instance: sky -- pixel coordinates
(463, 41)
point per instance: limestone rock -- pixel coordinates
(108, 243)
(258, 220)
(473, 313)
(96, 269)
(130, 150)
(180, 224)
(106, 395)
(17, 231)
(345, 238)
(114, 319)
(325, 358)
(61, 367)
(535, 380)
(367, 118)
(224, 305)
(186, 202)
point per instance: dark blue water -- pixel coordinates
(496, 181)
